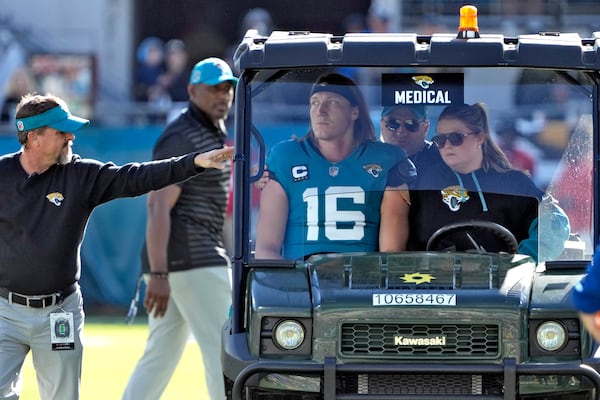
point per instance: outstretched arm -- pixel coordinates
(214, 158)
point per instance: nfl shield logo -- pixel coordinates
(334, 170)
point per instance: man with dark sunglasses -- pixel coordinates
(406, 126)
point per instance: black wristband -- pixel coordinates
(159, 275)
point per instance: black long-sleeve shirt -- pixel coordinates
(43, 217)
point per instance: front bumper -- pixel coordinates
(330, 373)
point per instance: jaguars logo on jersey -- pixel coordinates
(453, 196)
(55, 198)
(373, 169)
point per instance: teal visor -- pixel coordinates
(57, 118)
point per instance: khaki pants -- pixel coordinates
(199, 304)
(22, 329)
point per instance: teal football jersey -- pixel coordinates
(333, 207)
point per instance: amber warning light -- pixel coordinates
(468, 23)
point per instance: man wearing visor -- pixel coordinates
(47, 196)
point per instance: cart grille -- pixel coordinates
(396, 384)
(429, 341)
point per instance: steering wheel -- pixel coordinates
(499, 231)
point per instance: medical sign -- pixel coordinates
(422, 89)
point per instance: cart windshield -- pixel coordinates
(539, 121)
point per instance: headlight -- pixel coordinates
(551, 336)
(289, 334)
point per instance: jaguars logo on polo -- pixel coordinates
(55, 198)
(453, 196)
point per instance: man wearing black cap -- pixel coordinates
(47, 196)
(327, 192)
(188, 288)
(407, 126)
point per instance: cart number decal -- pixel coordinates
(414, 299)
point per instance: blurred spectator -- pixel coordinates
(551, 107)
(508, 140)
(255, 18)
(574, 185)
(259, 19)
(150, 58)
(354, 23)
(13, 53)
(175, 79)
(69, 76)
(518, 7)
(378, 19)
(21, 82)
(430, 24)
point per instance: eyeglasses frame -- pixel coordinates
(455, 138)
(413, 128)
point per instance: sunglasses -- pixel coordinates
(455, 139)
(410, 125)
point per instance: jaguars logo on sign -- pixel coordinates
(423, 80)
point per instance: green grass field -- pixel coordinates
(111, 352)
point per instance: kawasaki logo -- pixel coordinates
(426, 341)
